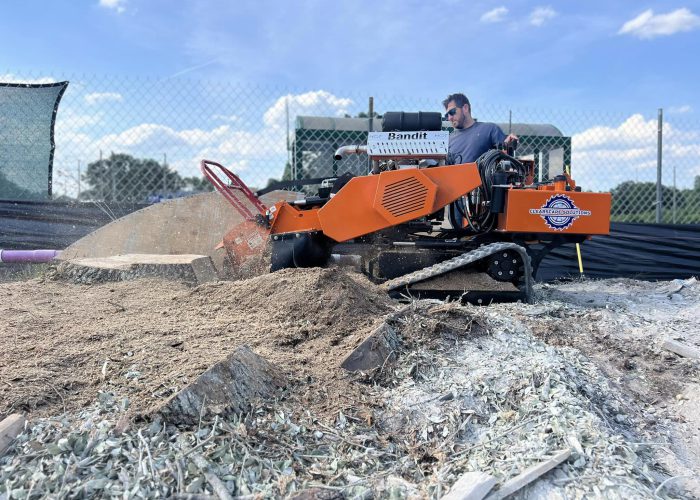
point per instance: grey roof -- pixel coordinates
(360, 124)
(532, 129)
(331, 123)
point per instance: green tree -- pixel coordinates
(636, 202)
(121, 177)
(286, 175)
(197, 184)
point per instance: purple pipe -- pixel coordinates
(28, 256)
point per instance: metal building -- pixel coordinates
(317, 137)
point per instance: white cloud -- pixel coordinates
(227, 118)
(633, 131)
(11, 78)
(683, 150)
(119, 6)
(679, 110)
(603, 156)
(647, 25)
(152, 137)
(319, 103)
(69, 119)
(494, 16)
(97, 97)
(257, 153)
(541, 15)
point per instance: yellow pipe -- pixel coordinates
(580, 263)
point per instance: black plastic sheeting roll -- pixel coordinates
(639, 251)
(31, 225)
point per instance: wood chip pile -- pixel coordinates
(574, 396)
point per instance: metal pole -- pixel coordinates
(102, 187)
(291, 150)
(79, 175)
(286, 111)
(165, 174)
(510, 121)
(113, 179)
(674, 193)
(371, 122)
(103, 194)
(659, 197)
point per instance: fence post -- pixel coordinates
(510, 121)
(165, 174)
(286, 114)
(659, 195)
(674, 193)
(103, 193)
(291, 149)
(369, 129)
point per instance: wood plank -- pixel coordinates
(685, 350)
(10, 428)
(471, 486)
(529, 475)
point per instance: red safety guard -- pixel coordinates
(228, 190)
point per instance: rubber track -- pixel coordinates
(464, 260)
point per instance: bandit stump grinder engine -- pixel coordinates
(416, 224)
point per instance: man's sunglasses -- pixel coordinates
(451, 112)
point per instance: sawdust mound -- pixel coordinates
(146, 339)
(317, 301)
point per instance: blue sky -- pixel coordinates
(627, 58)
(564, 53)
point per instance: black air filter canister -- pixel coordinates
(399, 121)
(498, 194)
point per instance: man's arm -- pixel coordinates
(498, 137)
(510, 141)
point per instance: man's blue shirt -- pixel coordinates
(467, 144)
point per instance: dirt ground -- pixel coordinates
(146, 339)
(583, 365)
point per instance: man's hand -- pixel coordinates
(511, 144)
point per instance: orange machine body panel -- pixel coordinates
(370, 203)
(290, 219)
(555, 211)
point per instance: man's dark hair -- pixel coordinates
(459, 99)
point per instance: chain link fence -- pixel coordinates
(141, 140)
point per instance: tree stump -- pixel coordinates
(229, 387)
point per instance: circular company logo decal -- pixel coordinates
(559, 212)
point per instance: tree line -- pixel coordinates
(122, 177)
(636, 202)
